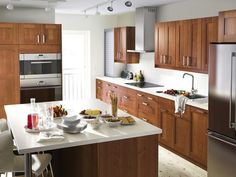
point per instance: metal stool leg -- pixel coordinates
(51, 169)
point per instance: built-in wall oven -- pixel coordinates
(40, 77)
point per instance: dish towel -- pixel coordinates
(180, 102)
(52, 136)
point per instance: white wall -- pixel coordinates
(27, 15)
(193, 9)
(182, 10)
(96, 26)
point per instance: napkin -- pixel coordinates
(52, 136)
(180, 102)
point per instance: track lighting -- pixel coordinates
(110, 8)
(128, 3)
(10, 7)
(97, 12)
(85, 14)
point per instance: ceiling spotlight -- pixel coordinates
(97, 12)
(128, 3)
(110, 8)
(85, 14)
(10, 6)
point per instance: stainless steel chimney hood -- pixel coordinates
(145, 18)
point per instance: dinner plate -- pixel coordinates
(40, 129)
(72, 129)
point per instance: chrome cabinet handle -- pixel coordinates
(161, 59)
(183, 60)
(149, 98)
(125, 97)
(144, 119)
(41, 62)
(38, 39)
(145, 104)
(188, 61)
(99, 87)
(43, 39)
(139, 95)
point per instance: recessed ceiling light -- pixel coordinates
(128, 3)
(10, 6)
(110, 8)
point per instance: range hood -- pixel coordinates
(145, 18)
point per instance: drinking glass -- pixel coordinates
(48, 115)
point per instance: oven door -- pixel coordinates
(41, 94)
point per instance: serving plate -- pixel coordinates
(72, 129)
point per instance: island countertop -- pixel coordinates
(27, 142)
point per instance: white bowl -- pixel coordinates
(113, 124)
(71, 120)
(94, 124)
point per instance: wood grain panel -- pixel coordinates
(29, 33)
(52, 33)
(8, 33)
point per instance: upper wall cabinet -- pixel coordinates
(209, 34)
(188, 41)
(124, 39)
(9, 33)
(227, 26)
(165, 50)
(39, 34)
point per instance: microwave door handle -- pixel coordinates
(232, 92)
(40, 62)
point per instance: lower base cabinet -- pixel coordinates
(134, 157)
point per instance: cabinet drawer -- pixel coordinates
(128, 101)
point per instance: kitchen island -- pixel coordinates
(124, 151)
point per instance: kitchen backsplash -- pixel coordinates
(169, 78)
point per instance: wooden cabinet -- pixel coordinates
(124, 39)
(9, 76)
(209, 34)
(165, 47)
(147, 107)
(128, 101)
(8, 33)
(227, 26)
(188, 41)
(38, 34)
(166, 121)
(185, 134)
(198, 135)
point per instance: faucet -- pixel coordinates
(193, 91)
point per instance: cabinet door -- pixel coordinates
(209, 34)
(189, 44)
(29, 33)
(227, 26)
(8, 33)
(128, 101)
(166, 123)
(99, 91)
(198, 133)
(170, 35)
(51, 34)
(147, 108)
(160, 44)
(9, 76)
(181, 135)
(122, 45)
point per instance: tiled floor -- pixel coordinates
(171, 165)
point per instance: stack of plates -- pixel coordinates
(72, 124)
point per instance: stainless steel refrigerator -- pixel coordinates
(222, 111)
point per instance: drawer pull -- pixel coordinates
(149, 98)
(145, 104)
(108, 85)
(139, 95)
(115, 87)
(144, 119)
(99, 87)
(125, 97)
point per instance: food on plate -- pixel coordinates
(106, 116)
(89, 117)
(59, 111)
(127, 120)
(91, 112)
(176, 92)
(113, 120)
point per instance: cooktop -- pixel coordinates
(144, 84)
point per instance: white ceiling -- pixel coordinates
(77, 6)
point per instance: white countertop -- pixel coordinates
(26, 142)
(199, 103)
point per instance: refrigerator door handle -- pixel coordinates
(232, 91)
(219, 138)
